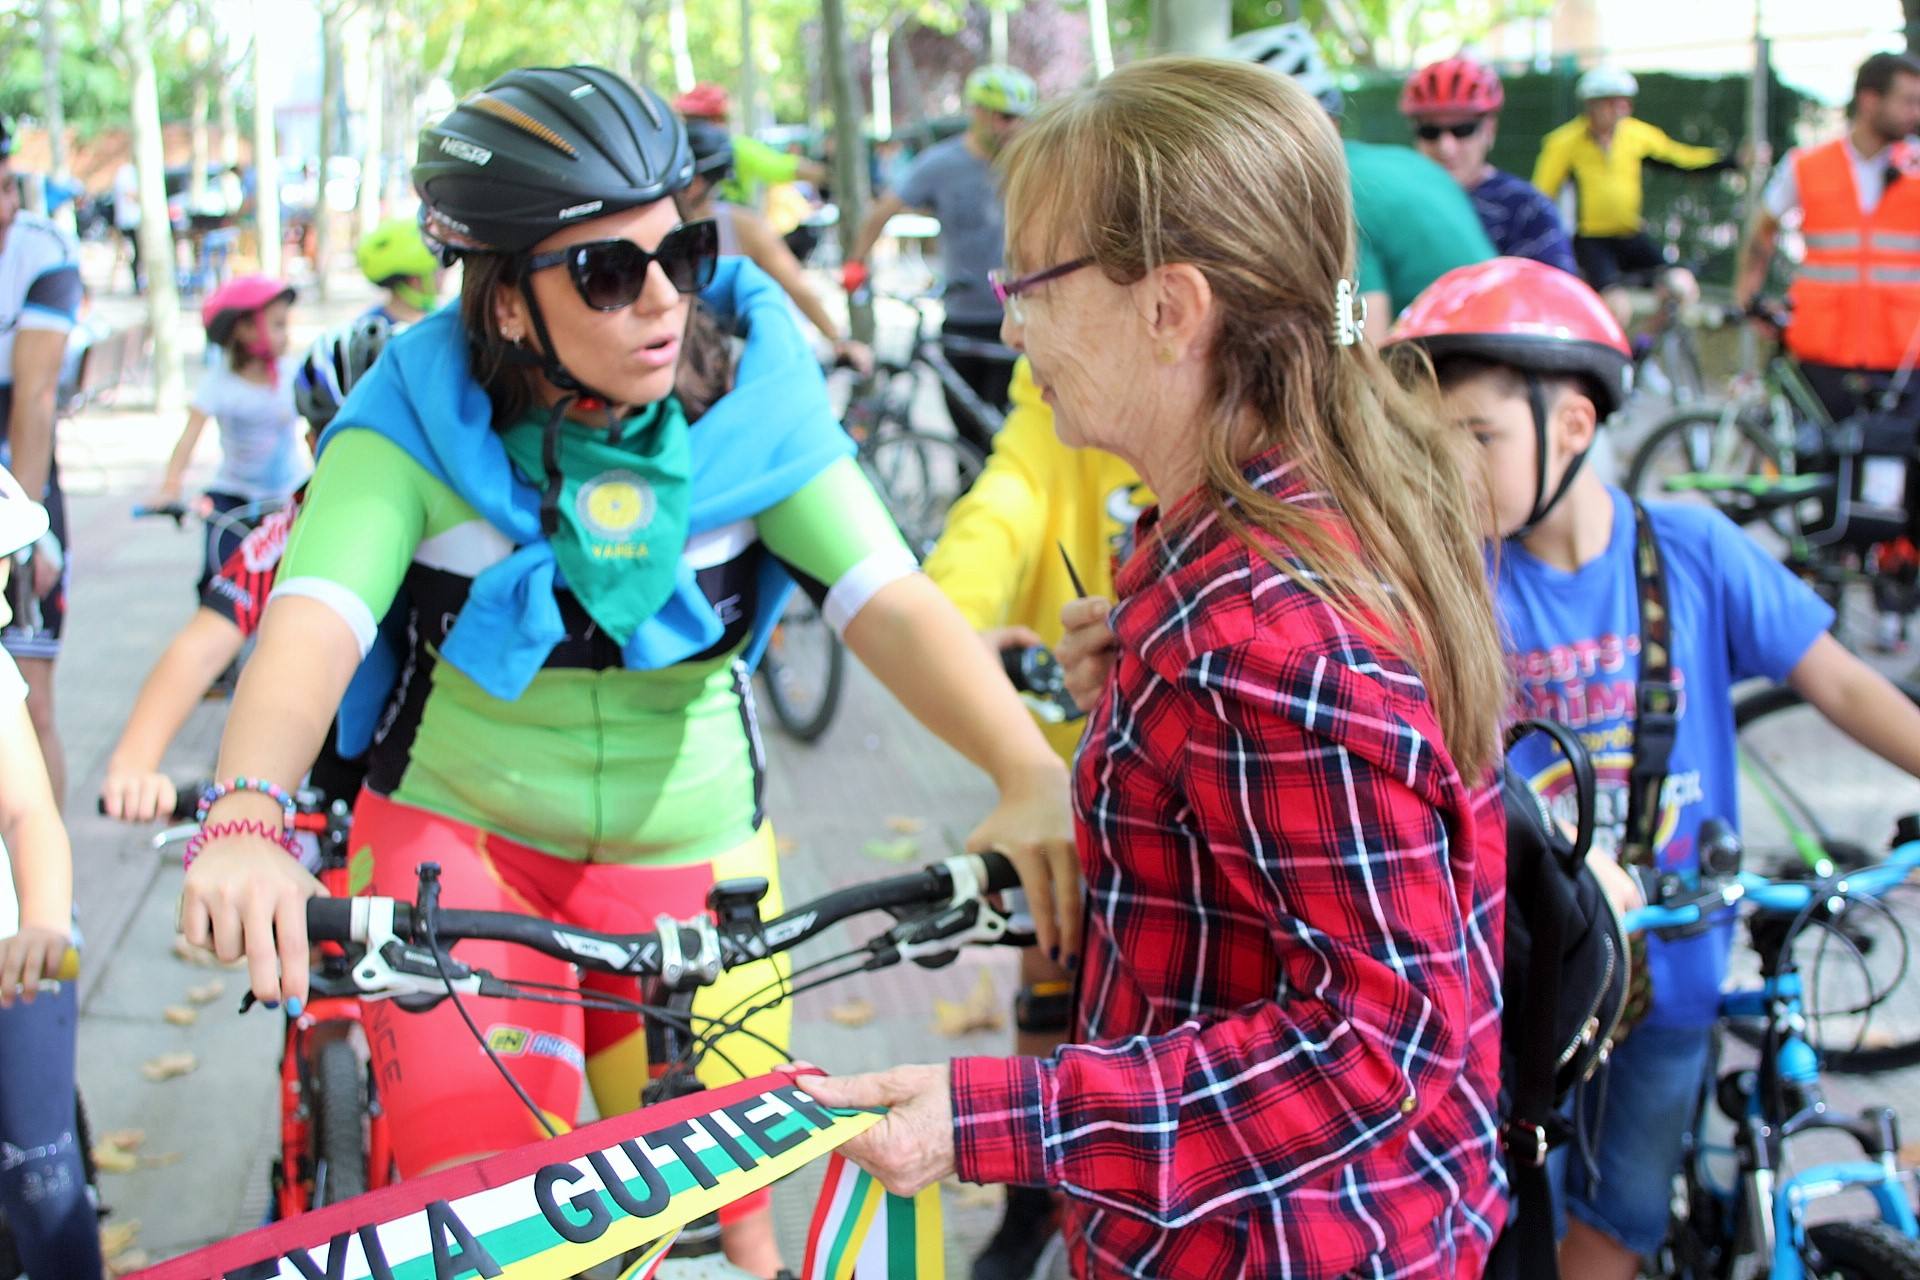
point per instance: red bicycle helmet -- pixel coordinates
(1534, 318)
(243, 296)
(1453, 86)
(705, 101)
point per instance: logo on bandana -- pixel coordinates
(614, 505)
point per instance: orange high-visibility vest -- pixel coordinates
(1856, 298)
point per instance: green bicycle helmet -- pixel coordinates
(1007, 90)
(395, 252)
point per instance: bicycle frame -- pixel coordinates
(928, 350)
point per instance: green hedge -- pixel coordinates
(1698, 214)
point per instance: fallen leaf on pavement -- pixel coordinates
(857, 1012)
(784, 845)
(906, 826)
(180, 1015)
(125, 1139)
(905, 849)
(108, 1158)
(122, 1264)
(168, 1065)
(184, 950)
(207, 992)
(118, 1237)
(160, 1161)
(980, 1011)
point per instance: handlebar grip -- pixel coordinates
(1000, 871)
(186, 802)
(69, 966)
(330, 919)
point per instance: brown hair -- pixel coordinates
(1235, 170)
(1877, 74)
(706, 357)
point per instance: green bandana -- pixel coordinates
(623, 509)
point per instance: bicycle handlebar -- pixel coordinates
(676, 947)
(1778, 897)
(175, 511)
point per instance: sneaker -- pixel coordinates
(1892, 635)
(1027, 1232)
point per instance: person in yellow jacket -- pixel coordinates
(999, 560)
(1601, 153)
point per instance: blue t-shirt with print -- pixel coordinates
(1522, 222)
(1573, 642)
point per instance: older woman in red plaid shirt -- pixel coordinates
(1288, 1008)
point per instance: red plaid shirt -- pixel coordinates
(1291, 996)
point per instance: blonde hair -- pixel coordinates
(1236, 171)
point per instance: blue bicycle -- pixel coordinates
(1757, 1223)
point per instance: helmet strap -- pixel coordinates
(410, 292)
(1543, 503)
(547, 360)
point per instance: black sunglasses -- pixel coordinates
(611, 274)
(1432, 132)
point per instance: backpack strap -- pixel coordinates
(1656, 719)
(1580, 765)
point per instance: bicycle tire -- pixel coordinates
(919, 475)
(339, 1109)
(781, 677)
(1678, 353)
(1864, 1251)
(1670, 435)
(1837, 1037)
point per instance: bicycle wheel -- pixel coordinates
(1678, 355)
(1812, 803)
(919, 475)
(1716, 456)
(339, 1109)
(802, 670)
(1863, 1251)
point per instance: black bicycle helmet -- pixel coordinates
(338, 359)
(543, 147)
(712, 148)
(6, 138)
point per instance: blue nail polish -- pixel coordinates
(1073, 964)
(294, 1006)
(270, 1004)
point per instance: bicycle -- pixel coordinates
(334, 1140)
(572, 1201)
(1757, 1223)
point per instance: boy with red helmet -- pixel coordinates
(1454, 107)
(1531, 361)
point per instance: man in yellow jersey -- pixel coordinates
(1000, 560)
(1601, 154)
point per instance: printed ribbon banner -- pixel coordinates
(550, 1209)
(861, 1231)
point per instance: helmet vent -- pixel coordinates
(524, 122)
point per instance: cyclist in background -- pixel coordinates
(396, 259)
(755, 164)
(43, 1181)
(744, 233)
(1037, 506)
(955, 182)
(1454, 107)
(231, 605)
(40, 295)
(1601, 155)
(1856, 297)
(1415, 222)
(585, 750)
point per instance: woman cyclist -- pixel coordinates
(571, 577)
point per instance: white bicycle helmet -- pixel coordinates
(22, 520)
(1292, 50)
(1607, 82)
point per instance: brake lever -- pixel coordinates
(937, 939)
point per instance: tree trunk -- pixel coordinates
(266, 149)
(997, 36)
(750, 114)
(677, 45)
(156, 234)
(1190, 26)
(1911, 8)
(849, 148)
(880, 54)
(332, 54)
(1102, 37)
(53, 109)
(199, 150)
(229, 110)
(373, 153)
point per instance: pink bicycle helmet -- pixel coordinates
(238, 298)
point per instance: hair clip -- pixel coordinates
(1349, 313)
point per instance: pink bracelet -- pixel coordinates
(248, 827)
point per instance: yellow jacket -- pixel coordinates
(999, 558)
(1606, 183)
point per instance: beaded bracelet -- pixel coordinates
(220, 790)
(246, 827)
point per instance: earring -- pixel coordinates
(1165, 355)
